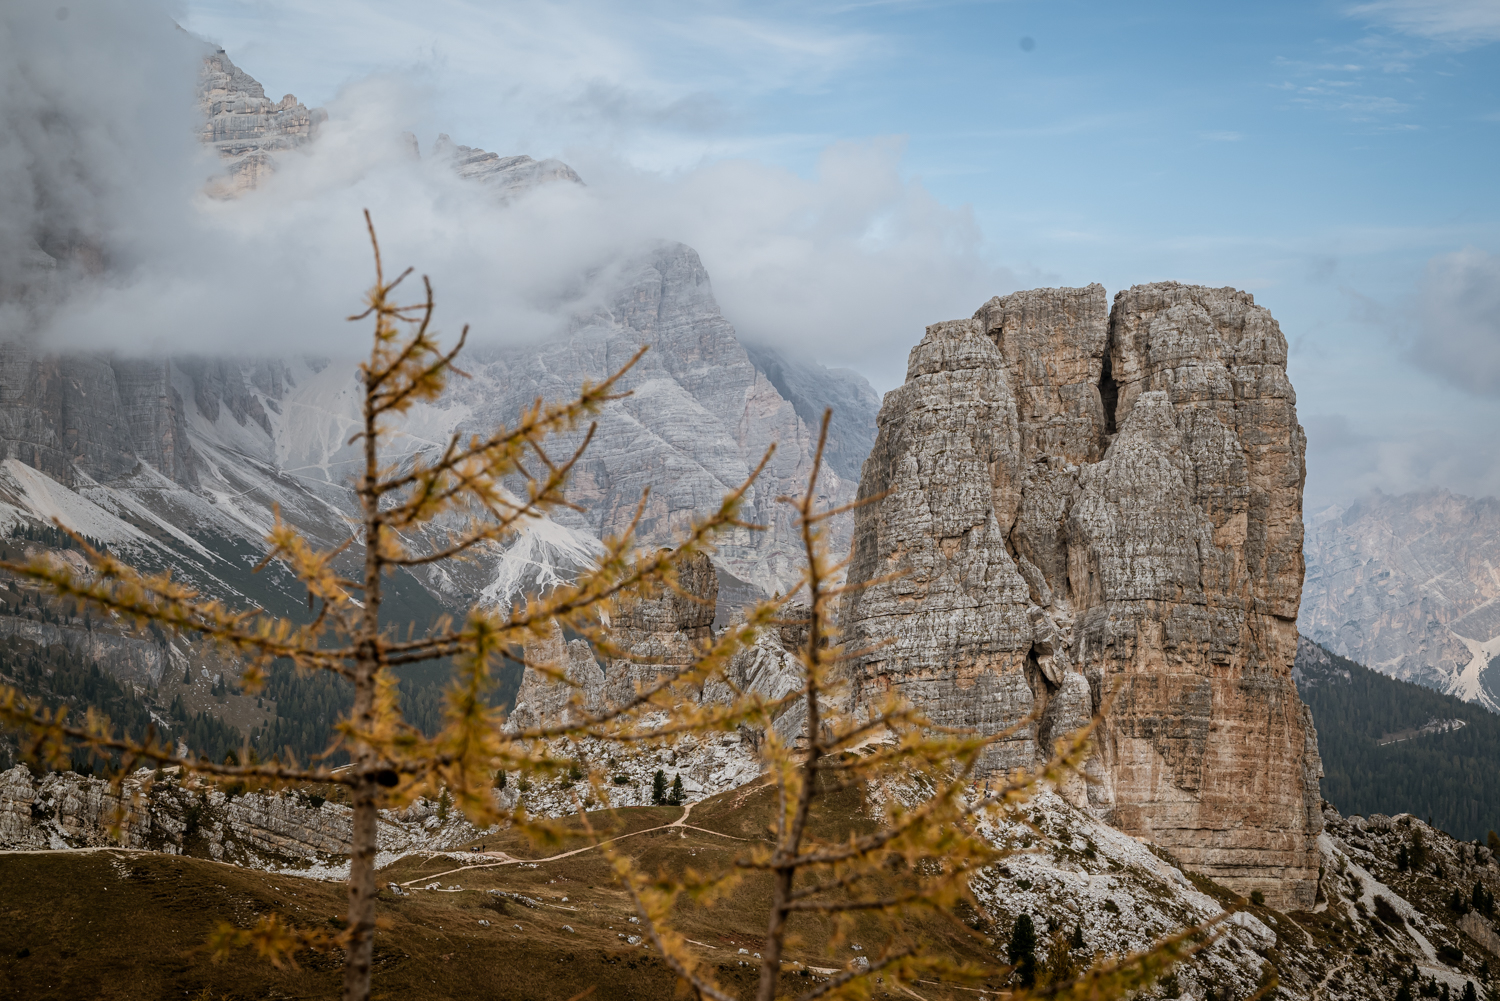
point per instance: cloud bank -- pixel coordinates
(96, 140)
(847, 264)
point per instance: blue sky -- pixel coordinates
(1338, 160)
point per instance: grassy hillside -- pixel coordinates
(1377, 760)
(116, 924)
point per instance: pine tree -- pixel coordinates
(1076, 942)
(659, 788)
(1469, 993)
(674, 798)
(187, 678)
(1022, 951)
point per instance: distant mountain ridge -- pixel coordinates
(1410, 586)
(182, 460)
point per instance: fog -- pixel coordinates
(101, 167)
(1459, 337)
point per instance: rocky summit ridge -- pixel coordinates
(1086, 507)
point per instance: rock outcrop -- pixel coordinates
(507, 176)
(247, 128)
(546, 699)
(659, 635)
(1087, 504)
(261, 829)
(1409, 586)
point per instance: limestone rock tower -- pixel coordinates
(1083, 500)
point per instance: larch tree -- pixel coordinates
(478, 492)
(465, 494)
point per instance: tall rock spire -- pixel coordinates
(1082, 501)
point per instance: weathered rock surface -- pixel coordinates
(246, 127)
(1081, 501)
(698, 420)
(812, 389)
(663, 634)
(67, 810)
(1409, 585)
(659, 635)
(544, 699)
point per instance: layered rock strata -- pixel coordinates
(1087, 504)
(246, 127)
(699, 419)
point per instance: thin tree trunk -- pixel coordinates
(770, 965)
(361, 896)
(363, 759)
(791, 844)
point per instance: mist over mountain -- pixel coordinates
(185, 389)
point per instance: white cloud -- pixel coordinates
(651, 80)
(97, 144)
(1459, 23)
(848, 264)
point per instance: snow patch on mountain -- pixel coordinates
(544, 555)
(1469, 684)
(34, 493)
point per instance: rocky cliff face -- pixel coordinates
(246, 127)
(1410, 586)
(811, 389)
(1085, 502)
(699, 419)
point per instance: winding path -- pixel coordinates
(505, 859)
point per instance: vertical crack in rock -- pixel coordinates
(1083, 500)
(1109, 397)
